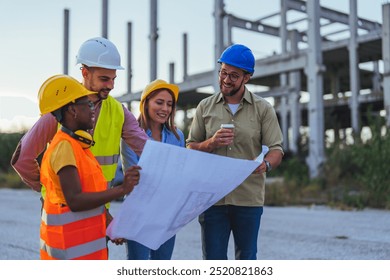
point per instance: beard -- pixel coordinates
(233, 91)
(103, 93)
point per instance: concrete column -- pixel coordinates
(219, 46)
(335, 89)
(283, 76)
(105, 19)
(171, 73)
(334, 82)
(66, 41)
(354, 68)
(293, 98)
(376, 78)
(314, 72)
(228, 30)
(386, 59)
(129, 57)
(153, 37)
(185, 57)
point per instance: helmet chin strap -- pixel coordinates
(85, 139)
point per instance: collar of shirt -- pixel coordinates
(164, 134)
(247, 97)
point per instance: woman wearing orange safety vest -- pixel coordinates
(73, 224)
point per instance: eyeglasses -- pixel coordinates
(232, 76)
(88, 102)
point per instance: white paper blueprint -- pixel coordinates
(176, 185)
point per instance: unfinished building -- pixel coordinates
(328, 71)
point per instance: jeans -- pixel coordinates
(218, 222)
(137, 251)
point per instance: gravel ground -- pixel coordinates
(287, 233)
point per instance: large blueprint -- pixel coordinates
(176, 185)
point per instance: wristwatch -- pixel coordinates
(268, 166)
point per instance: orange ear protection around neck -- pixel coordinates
(82, 136)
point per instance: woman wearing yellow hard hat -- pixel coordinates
(73, 224)
(157, 118)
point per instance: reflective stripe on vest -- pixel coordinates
(107, 135)
(107, 160)
(75, 251)
(69, 217)
(108, 163)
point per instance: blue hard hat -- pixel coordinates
(239, 56)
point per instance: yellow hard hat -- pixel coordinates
(157, 84)
(58, 91)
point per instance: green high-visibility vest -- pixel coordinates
(107, 135)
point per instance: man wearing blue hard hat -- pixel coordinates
(252, 124)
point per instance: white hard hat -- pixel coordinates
(99, 52)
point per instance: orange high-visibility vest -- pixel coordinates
(66, 234)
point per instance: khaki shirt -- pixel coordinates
(256, 124)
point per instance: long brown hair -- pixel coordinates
(144, 119)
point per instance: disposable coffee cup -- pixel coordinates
(227, 125)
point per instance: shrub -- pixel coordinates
(8, 143)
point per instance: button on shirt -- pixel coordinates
(255, 124)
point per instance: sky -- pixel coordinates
(32, 41)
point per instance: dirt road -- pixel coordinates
(287, 233)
